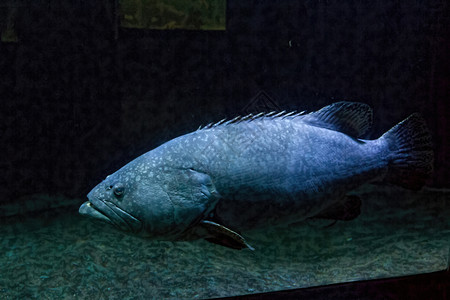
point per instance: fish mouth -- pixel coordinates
(108, 212)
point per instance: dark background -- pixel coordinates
(81, 97)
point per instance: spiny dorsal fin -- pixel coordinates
(250, 117)
(351, 118)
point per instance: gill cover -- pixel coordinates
(193, 196)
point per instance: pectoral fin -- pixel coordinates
(221, 235)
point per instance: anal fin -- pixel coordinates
(345, 210)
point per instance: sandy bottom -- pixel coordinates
(66, 256)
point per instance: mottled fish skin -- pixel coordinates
(276, 170)
(264, 171)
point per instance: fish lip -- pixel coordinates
(89, 210)
(109, 212)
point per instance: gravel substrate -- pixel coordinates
(66, 256)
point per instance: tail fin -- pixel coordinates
(411, 158)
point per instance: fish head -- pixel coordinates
(161, 207)
(129, 205)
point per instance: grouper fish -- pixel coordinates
(270, 169)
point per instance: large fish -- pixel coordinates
(255, 171)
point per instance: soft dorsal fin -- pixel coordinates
(351, 118)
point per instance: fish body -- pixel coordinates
(256, 171)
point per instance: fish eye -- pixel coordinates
(119, 190)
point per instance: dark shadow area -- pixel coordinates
(434, 285)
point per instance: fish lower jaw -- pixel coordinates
(89, 210)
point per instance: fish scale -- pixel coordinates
(269, 169)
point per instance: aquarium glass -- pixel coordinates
(88, 86)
